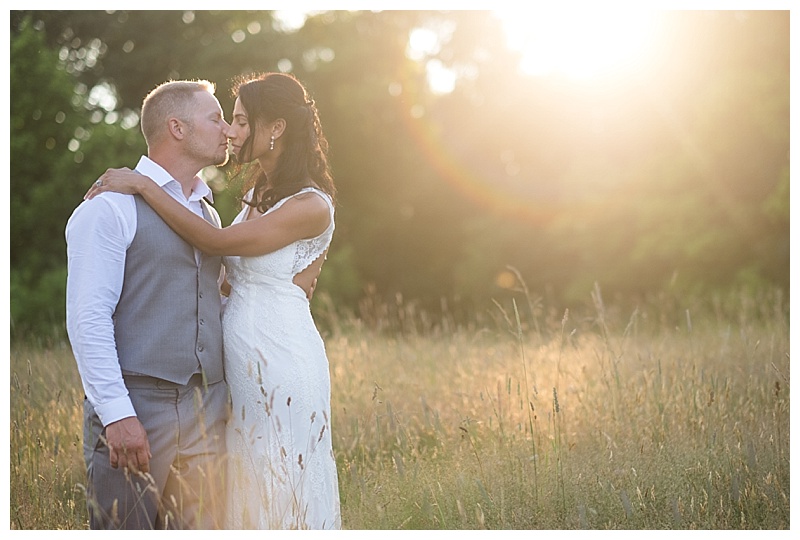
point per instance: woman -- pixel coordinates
(282, 470)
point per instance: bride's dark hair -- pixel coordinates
(304, 160)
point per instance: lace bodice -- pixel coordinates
(287, 262)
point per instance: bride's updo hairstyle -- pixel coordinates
(304, 161)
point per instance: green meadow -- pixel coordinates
(671, 413)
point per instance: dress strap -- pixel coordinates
(309, 189)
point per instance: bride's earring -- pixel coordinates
(272, 142)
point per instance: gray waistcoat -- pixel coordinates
(167, 322)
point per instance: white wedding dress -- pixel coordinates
(282, 469)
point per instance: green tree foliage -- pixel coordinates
(681, 169)
(677, 172)
(57, 148)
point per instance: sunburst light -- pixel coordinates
(580, 43)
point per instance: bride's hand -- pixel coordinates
(121, 180)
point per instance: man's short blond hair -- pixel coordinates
(167, 100)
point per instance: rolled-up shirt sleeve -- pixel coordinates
(98, 235)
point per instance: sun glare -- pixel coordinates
(579, 44)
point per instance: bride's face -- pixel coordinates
(250, 142)
(239, 131)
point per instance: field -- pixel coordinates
(672, 413)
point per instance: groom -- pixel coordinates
(143, 318)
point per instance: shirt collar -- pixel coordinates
(156, 172)
(200, 190)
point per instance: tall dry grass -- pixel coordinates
(46, 459)
(670, 413)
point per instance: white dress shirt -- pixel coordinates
(99, 233)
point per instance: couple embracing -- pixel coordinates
(174, 437)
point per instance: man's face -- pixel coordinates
(208, 131)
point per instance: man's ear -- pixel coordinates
(176, 128)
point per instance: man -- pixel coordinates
(143, 317)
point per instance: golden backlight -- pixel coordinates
(578, 43)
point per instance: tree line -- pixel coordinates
(679, 177)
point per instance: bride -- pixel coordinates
(282, 473)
